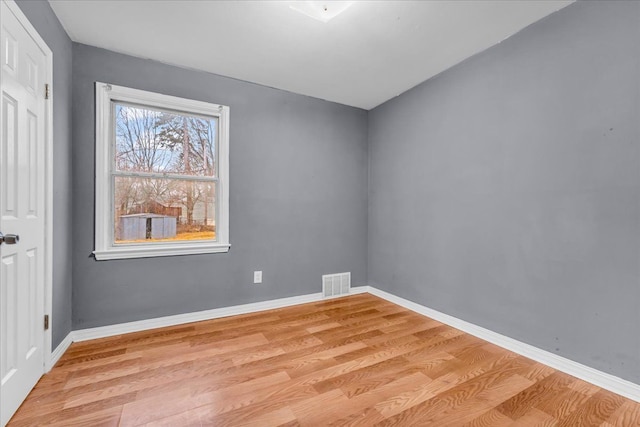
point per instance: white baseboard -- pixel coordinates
(161, 322)
(59, 351)
(601, 379)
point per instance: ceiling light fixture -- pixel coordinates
(323, 11)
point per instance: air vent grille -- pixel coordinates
(336, 284)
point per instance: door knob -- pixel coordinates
(9, 239)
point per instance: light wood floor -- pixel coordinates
(357, 360)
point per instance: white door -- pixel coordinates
(22, 211)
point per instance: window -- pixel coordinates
(162, 175)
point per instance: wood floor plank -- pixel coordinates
(351, 361)
(307, 411)
(471, 408)
(358, 375)
(544, 389)
(535, 418)
(562, 404)
(438, 396)
(596, 410)
(490, 418)
(381, 391)
(267, 401)
(104, 418)
(365, 400)
(626, 415)
(147, 410)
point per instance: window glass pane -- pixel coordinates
(148, 140)
(160, 210)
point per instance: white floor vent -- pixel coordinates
(336, 284)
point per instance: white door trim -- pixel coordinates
(48, 138)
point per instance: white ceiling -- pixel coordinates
(372, 52)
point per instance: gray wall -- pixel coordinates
(506, 190)
(298, 193)
(46, 23)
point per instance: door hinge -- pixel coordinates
(46, 91)
(46, 322)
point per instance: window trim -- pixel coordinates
(105, 249)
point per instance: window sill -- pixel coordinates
(159, 250)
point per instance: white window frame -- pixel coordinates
(105, 248)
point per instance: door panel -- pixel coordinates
(10, 156)
(22, 198)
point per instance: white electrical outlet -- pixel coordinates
(257, 277)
